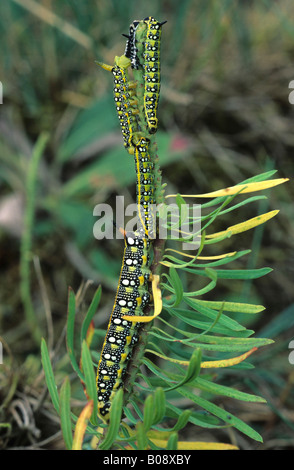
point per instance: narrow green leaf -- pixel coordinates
(71, 312)
(172, 443)
(210, 313)
(49, 375)
(222, 414)
(222, 261)
(192, 371)
(155, 370)
(242, 203)
(177, 285)
(141, 437)
(27, 237)
(183, 210)
(189, 335)
(114, 421)
(182, 420)
(148, 412)
(198, 418)
(90, 313)
(235, 307)
(219, 389)
(234, 273)
(219, 343)
(160, 405)
(90, 380)
(65, 415)
(260, 177)
(187, 317)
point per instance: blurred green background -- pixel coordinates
(224, 116)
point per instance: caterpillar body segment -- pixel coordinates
(131, 298)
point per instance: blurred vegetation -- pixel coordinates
(224, 117)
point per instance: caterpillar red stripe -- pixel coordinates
(152, 72)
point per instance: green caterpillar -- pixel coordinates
(145, 186)
(124, 97)
(152, 72)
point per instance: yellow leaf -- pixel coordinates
(187, 445)
(95, 439)
(227, 362)
(224, 255)
(239, 188)
(81, 426)
(170, 359)
(208, 364)
(157, 299)
(247, 225)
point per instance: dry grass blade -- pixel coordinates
(54, 20)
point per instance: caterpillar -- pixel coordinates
(131, 50)
(144, 187)
(131, 298)
(152, 72)
(124, 98)
(132, 293)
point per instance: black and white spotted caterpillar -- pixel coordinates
(131, 298)
(131, 49)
